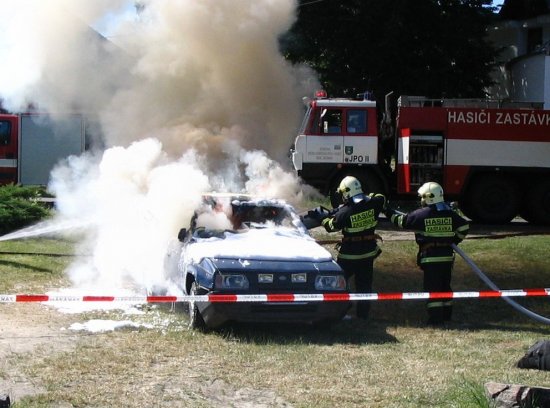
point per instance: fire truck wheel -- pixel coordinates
(492, 200)
(538, 203)
(370, 183)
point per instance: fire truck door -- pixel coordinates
(360, 146)
(325, 144)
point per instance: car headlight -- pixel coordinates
(265, 278)
(330, 282)
(231, 282)
(299, 277)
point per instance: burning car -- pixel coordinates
(251, 246)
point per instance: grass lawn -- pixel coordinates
(392, 360)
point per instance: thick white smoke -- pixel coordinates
(190, 96)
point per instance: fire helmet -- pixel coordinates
(430, 193)
(349, 187)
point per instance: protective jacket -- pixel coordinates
(436, 227)
(358, 219)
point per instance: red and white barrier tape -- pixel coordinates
(278, 297)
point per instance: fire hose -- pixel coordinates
(491, 285)
(313, 217)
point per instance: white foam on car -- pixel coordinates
(261, 244)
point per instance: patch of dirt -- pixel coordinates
(33, 331)
(223, 395)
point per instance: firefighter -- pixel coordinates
(437, 226)
(357, 218)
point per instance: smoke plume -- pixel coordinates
(188, 97)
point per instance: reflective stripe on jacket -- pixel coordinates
(435, 232)
(357, 221)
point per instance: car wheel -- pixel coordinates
(196, 322)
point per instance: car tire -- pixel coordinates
(196, 321)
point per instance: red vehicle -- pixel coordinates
(494, 159)
(32, 144)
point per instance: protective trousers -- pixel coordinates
(437, 278)
(362, 269)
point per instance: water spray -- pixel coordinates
(47, 228)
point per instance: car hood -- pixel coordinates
(260, 244)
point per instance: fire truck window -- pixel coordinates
(5, 130)
(332, 121)
(316, 127)
(356, 121)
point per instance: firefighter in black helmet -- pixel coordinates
(357, 218)
(437, 226)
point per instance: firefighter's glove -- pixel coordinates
(454, 206)
(388, 212)
(318, 214)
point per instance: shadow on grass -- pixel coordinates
(468, 315)
(26, 266)
(343, 332)
(354, 331)
(38, 254)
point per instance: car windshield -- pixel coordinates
(216, 218)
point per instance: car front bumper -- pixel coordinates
(216, 314)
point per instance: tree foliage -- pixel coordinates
(19, 207)
(415, 47)
(523, 9)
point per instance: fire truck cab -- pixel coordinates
(493, 158)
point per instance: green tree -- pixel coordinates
(416, 47)
(523, 9)
(19, 207)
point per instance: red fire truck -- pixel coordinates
(493, 158)
(32, 144)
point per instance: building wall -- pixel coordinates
(523, 73)
(527, 78)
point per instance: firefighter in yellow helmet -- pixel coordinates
(437, 226)
(357, 218)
